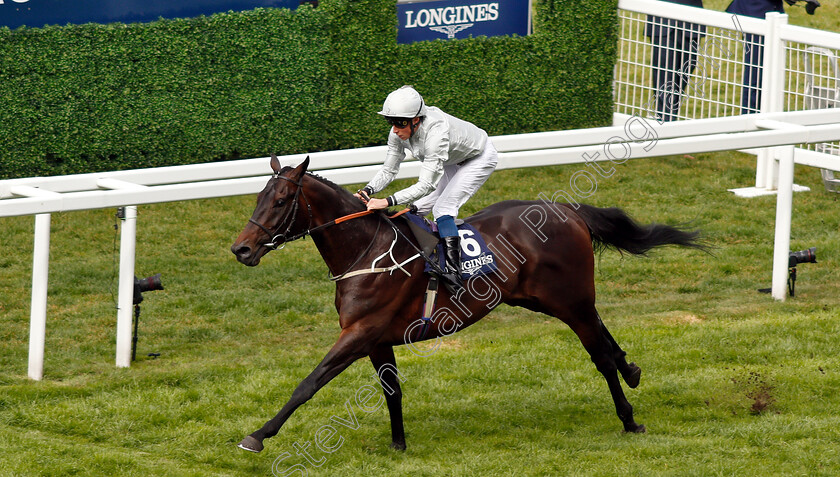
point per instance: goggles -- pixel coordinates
(398, 122)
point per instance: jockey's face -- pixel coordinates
(404, 130)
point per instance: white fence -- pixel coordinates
(799, 65)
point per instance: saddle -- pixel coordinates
(476, 257)
(427, 240)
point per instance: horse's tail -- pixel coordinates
(613, 228)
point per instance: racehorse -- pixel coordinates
(546, 264)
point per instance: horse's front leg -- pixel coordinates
(382, 358)
(352, 344)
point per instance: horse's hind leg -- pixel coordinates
(591, 332)
(382, 358)
(629, 371)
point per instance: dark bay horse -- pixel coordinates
(545, 260)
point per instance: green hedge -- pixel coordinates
(84, 98)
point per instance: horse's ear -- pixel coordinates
(275, 163)
(300, 169)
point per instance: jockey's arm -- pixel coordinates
(436, 152)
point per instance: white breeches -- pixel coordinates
(459, 183)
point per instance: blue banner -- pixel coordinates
(452, 19)
(38, 13)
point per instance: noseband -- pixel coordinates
(278, 240)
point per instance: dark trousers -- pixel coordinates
(674, 58)
(753, 58)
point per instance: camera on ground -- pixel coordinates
(802, 256)
(145, 285)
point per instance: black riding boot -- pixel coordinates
(452, 274)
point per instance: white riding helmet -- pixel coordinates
(405, 102)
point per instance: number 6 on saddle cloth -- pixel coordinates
(476, 257)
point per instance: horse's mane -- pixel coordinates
(321, 179)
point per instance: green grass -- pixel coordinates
(733, 382)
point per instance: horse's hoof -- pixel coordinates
(400, 446)
(639, 429)
(634, 376)
(250, 444)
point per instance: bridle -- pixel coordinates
(278, 240)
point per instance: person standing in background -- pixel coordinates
(674, 58)
(753, 50)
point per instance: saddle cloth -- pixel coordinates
(476, 257)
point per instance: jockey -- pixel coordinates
(457, 158)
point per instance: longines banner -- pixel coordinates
(448, 19)
(38, 13)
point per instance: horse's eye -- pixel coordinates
(279, 203)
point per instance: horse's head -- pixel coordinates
(281, 213)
